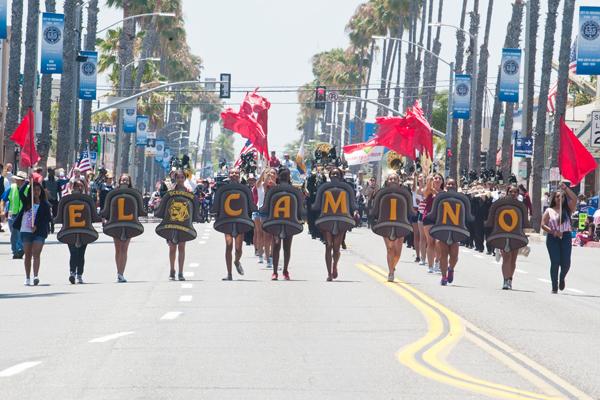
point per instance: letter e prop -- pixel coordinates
(75, 216)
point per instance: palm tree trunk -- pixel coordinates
(539, 142)
(30, 66)
(90, 44)
(63, 142)
(481, 83)
(458, 67)
(126, 57)
(397, 90)
(385, 66)
(465, 145)
(513, 33)
(14, 70)
(430, 81)
(363, 112)
(411, 57)
(534, 14)
(506, 139)
(46, 107)
(563, 75)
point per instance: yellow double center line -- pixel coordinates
(427, 355)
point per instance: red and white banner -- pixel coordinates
(362, 153)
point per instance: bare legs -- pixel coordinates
(448, 255)
(394, 250)
(509, 263)
(332, 253)
(287, 250)
(173, 250)
(258, 236)
(422, 247)
(33, 251)
(431, 246)
(121, 249)
(229, 242)
(417, 239)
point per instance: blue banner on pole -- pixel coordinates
(166, 160)
(160, 150)
(588, 41)
(129, 120)
(3, 19)
(510, 75)
(53, 26)
(462, 97)
(142, 122)
(87, 75)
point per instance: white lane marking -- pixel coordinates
(544, 280)
(194, 265)
(201, 242)
(106, 338)
(575, 290)
(171, 315)
(187, 285)
(521, 271)
(17, 369)
(185, 299)
(188, 274)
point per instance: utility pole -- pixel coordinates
(525, 128)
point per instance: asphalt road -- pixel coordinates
(357, 338)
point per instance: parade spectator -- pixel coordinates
(287, 163)
(37, 175)
(51, 186)
(8, 174)
(526, 199)
(92, 186)
(14, 207)
(62, 182)
(274, 161)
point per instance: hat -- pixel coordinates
(21, 175)
(109, 175)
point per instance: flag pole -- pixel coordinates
(31, 137)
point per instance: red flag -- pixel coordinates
(423, 136)
(393, 133)
(24, 137)
(250, 121)
(574, 160)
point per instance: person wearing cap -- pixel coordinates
(287, 163)
(14, 207)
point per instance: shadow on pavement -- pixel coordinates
(30, 295)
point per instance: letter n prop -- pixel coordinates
(448, 212)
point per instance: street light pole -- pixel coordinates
(449, 120)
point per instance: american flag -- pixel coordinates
(84, 164)
(248, 148)
(551, 105)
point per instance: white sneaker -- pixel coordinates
(260, 259)
(79, 279)
(270, 262)
(436, 267)
(422, 262)
(498, 255)
(27, 282)
(36, 280)
(121, 279)
(430, 270)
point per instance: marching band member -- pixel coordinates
(434, 185)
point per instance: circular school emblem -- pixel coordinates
(142, 126)
(590, 30)
(511, 67)
(88, 68)
(179, 211)
(462, 89)
(52, 35)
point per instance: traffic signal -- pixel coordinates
(320, 97)
(225, 87)
(94, 142)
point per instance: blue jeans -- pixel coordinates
(15, 237)
(560, 257)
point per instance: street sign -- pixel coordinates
(210, 83)
(332, 95)
(93, 157)
(225, 87)
(524, 147)
(595, 130)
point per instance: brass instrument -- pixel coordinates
(394, 161)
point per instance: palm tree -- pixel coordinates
(466, 132)
(63, 142)
(563, 75)
(90, 42)
(46, 106)
(539, 143)
(511, 40)
(534, 14)
(458, 67)
(430, 81)
(513, 37)
(14, 70)
(481, 84)
(30, 66)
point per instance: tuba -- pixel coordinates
(394, 161)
